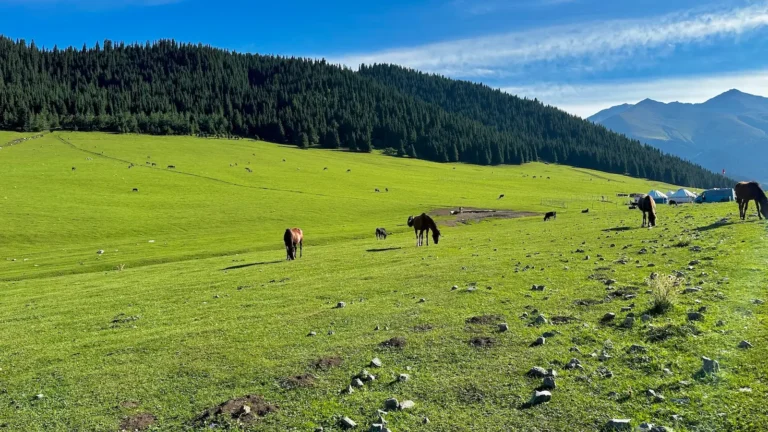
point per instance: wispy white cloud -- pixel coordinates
(484, 7)
(587, 99)
(590, 44)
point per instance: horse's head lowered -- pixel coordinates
(410, 221)
(435, 234)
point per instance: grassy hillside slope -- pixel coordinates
(210, 311)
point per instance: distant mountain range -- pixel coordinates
(729, 131)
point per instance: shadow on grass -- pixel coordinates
(383, 250)
(624, 228)
(714, 226)
(251, 265)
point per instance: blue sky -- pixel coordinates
(580, 55)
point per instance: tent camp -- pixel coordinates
(658, 196)
(682, 196)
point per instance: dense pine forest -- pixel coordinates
(172, 88)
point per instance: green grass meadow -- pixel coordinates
(192, 302)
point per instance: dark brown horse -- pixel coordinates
(423, 223)
(647, 205)
(748, 191)
(291, 238)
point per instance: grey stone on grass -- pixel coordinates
(503, 327)
(376, 362)
(549, 383)
(391, 404)
(619, 425)
(347, 423)
(406, 405)
(745, 344)
(340, 305)
(540, 397)
(709, 366)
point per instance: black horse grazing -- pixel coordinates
(647, 205)
(747, 191)
(550, 215)
(423, 223)
(381, 234)
(585, 211)
(291, 238)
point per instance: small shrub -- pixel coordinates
(663, 293)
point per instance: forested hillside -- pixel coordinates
(172, 88)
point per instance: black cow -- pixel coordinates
(550, 215)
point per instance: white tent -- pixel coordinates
(682, 196)
(658, 196)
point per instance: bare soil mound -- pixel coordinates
(137, 422)
(471, 214)
(246, 409)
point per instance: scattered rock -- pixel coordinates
(539, 341)
(347, 423)
(357, 382)
(604, 372)
(757, 301)
(406, 405)
(391, 404)
(540, 397)
(537, 287)
(695, 316)
(548, 383)
(454, 288)
(629, 322)
(312, 333)
(425, 420)
(745, 344)
(376, 362)
(538, 372)
(340, 305)
(608, 317)
(710, 366)
(403, 377)
(637, 349)
(503, 327)
(574, 363)
(646, 318)
(619, 425)
(100, 252)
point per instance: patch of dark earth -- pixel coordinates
(246, 410)
(471, 214)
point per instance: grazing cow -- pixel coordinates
(377, 190)
(283, 160)
(747, 191)
(135, 189)
(381, 234)
(148, 163)
(249, 170)
(386, 189)
(423, 223)
(171, 167)
(154, 164)
(647, 205)
(291, 238)
(550, 215)
(73, 168)
(585, 211)
(500, 196)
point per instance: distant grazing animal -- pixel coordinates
(747, 191)
(500, 196)
(325, 169)
(283, 160)
(647, 205)
(386, 189)
(381, 234)
(585, 211)
(249, 170)
(291, 238)
(147, 162)
(377, 190)
(171, 166)
(349, 170)
(73, 168)
(135, 189)
(550, 215)
(423, 223)
(154, 164)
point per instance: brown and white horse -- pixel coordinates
(647, 205)
(748, 191)
(423, 223)
(291, 238)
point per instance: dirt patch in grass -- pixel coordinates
(299, 381)
(485, 319)
(246, 409)
(326, 363)
(471, 214)
(659, 334)
(396, 342)
(587, 302)
(560, 319)
(423, 327)
(137, 422)
(482, 342)
(128, 404)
